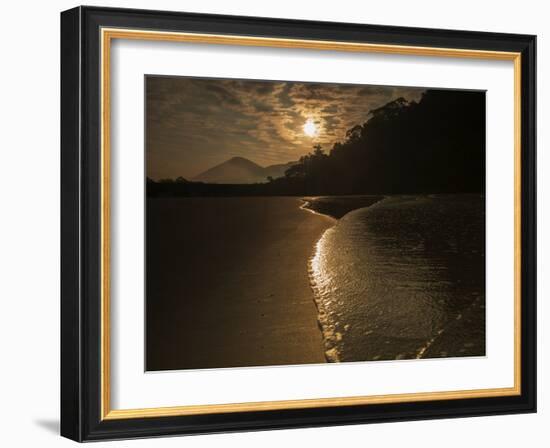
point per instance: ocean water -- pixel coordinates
(403, 278)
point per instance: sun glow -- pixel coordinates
(310, 128)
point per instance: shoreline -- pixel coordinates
(333, 207)
(322, 322)
(239, 294)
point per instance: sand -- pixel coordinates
(227, 283)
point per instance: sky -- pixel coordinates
(193, 124)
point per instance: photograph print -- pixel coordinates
(297, 223)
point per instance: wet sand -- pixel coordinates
(227, 283)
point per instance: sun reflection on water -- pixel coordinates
(322, 284)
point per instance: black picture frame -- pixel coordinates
(81, 380)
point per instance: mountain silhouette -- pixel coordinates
(239, 170)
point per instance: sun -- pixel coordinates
(310, 128)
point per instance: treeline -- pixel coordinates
(435, 145)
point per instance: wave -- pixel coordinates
(402, 279)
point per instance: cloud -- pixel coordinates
(195, 123)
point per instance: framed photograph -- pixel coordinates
(273, 224)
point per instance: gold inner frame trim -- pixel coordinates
(107, 35)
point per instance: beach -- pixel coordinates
(258, 281)
(227, 283)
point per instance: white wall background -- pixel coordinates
(29, 223)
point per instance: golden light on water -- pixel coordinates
(320, 281)
(310, 128)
